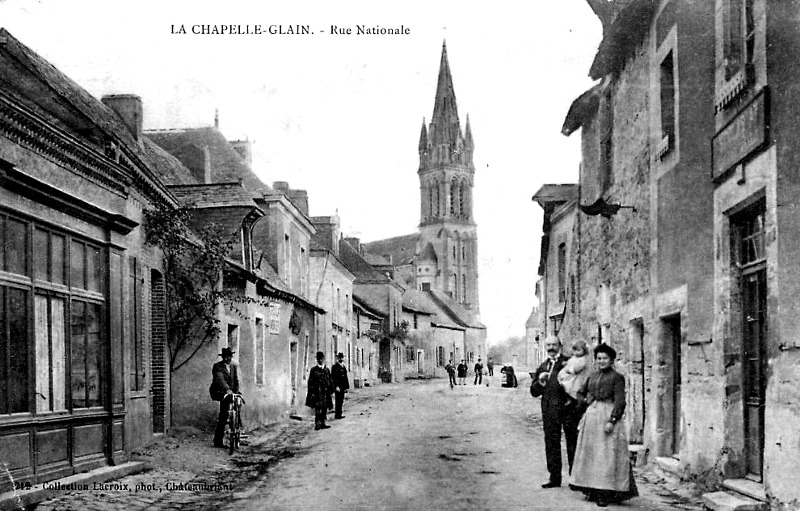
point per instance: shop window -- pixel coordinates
(14, 373)
(49, 314)
(86, 354)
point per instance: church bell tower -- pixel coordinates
(448, 246)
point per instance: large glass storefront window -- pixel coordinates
(58, 365)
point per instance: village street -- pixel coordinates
(421, 445)
(414, 445)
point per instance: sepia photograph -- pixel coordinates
(386, 256)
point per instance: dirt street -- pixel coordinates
(416, 445)
(420, 445)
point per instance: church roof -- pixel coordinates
(428, 253)
(400, 248)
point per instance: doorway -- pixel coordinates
(671, 332)
(748, 240)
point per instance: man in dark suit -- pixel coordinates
(555, 415)
(320, 388)
(224, 383)
(340, 385)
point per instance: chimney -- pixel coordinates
(298, 197)
(129, 109)
(327, 232)
(244, 149)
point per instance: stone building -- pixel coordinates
(683, 246)
(382, 297)
(83, 360)
(273, 326)
(332, 285)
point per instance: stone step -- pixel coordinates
(746, 487)
(727, 501)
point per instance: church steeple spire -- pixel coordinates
(445, 112)
(446, 143)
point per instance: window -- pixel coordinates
(667, 81)
(454, 252)
(749, 235)
(462, 199)
(463, 288)
(463, 253)
(14, 375)
(562, 272)
(739, 35)
(436, 198)
(410, 352)
(64, 337)
(416, 325)
(440, 356)
(453, 197)
(259, 350)
(135, 347)
(426, 286)
(86, 354)
(233, 340)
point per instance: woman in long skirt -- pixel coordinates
(602, 468)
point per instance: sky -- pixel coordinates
(339, 115)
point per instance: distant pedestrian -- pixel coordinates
(224, 383)
(511, 378)
(478, 373)
(602, 468)
(490, 366)
(451, 373)
(340, 385)
(462, 373)
(320, 388)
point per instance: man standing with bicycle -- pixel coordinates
(224, 383)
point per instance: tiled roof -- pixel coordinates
(365, 307)
(373, 298)
(215, 195)
(69, 106)
(401, 248)
(428, 253)
(362, 270)
(419, 301)
(455, 311)
(226, 163)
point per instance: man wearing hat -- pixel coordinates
(340, 384)
(320, 388)
(224, 383)
(555, 415)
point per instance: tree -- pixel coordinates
(193, 264)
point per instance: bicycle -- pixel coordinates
(235, 422)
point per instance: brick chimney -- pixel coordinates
(327, 232)
(298, 197)
(129, 109)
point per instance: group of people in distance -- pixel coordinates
(461, 370)
(588, 406)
